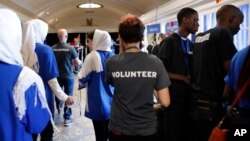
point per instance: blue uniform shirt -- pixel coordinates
(47, 70)
(232, 78)
(100, 94)
(35, 118)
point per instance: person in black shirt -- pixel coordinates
(156, 48)
(212, 55)
(175, 52)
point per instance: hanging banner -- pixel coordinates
(154, 28)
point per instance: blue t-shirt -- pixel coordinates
(35, 118)
(47, 70)
(232, 78)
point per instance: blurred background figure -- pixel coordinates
(65, 55)
(156, 48)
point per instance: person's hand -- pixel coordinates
(187, 80)
(69, 100)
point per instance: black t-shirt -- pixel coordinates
(172, 55)
(211, 50)
(64, 54)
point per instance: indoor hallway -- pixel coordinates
(81, 129)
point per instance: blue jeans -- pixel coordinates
(68, 86)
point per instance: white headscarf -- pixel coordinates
(34, 31)
(10, 38)
(10, 45)
(101, 41)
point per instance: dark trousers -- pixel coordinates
(46, 134)
(121, 137)
(68, 86)
(175, 120)
(203, 119)
(101, 130)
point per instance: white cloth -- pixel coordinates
(101, 41)
(57, 90)
(34, 31)
(26, 78)
(10, 45)
(10, 38)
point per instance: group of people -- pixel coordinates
(120, 88)
(197, 71)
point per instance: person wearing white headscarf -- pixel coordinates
(23, 100)
(40, 58)
(99, 93)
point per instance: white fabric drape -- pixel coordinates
(10, 38)
(101, 41)
(10, 45)
(34, 31)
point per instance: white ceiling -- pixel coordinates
(65, 14)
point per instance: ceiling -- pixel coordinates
(65, 14)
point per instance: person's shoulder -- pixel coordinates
(219, 31)
(113, 58)
(153, 58)
(242, 52)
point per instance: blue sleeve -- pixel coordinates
(36, 117)
(50, 65)
(84, 80)
(235, 68)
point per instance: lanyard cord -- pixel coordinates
(132, 47)
(185, 45)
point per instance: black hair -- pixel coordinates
(185, 12)
(90, 35)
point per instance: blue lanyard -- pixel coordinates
(185, 45)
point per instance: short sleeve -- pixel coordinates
(50, 65)
(165, 51)
(226, 46)
(73, 53)
(162, 79)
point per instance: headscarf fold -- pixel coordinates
(101, 41)
(34, 31)
(10, 38)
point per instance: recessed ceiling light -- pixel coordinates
(90, 5)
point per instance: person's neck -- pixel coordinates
(132, 47)
(183, 33)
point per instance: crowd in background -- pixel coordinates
(192, 81)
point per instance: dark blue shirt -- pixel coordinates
(65, 54)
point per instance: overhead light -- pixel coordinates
(90, 5)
